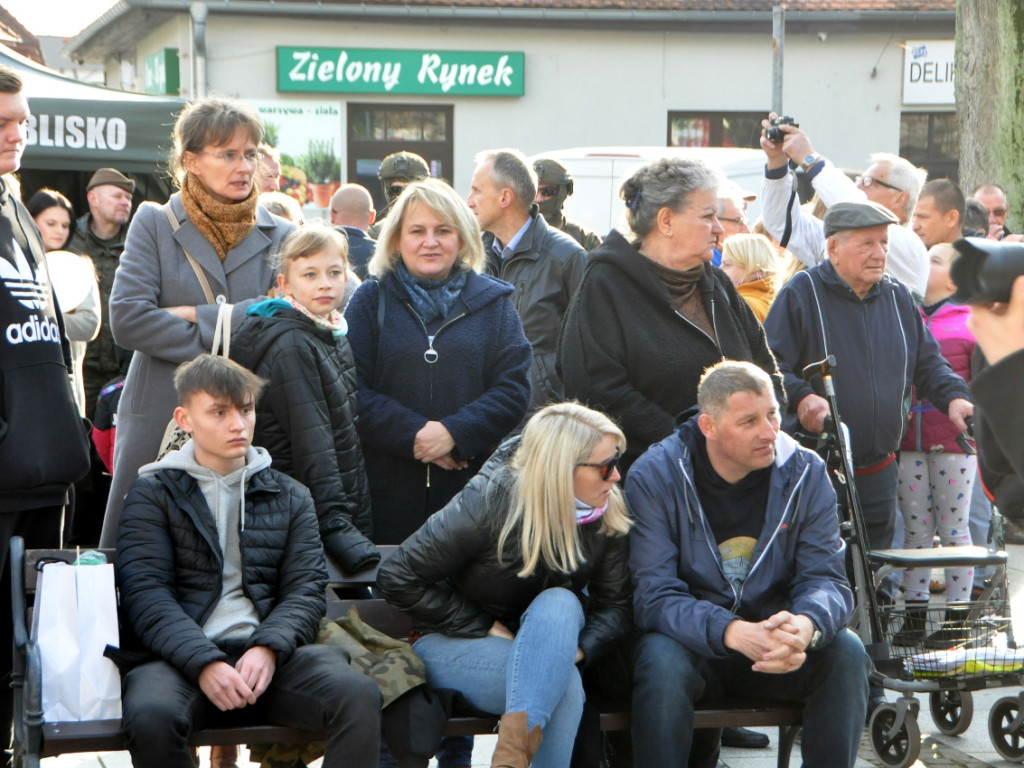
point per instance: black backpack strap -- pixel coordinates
(788, 231)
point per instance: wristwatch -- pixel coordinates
(810, 160)
(815, 640)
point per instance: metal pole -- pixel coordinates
(778, 48)
(199, 12)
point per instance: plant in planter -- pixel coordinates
(324, 170)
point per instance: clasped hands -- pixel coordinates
(238, 686)
(776, 645)
(433, 444)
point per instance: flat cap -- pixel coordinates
(857, 215)
(113, 177)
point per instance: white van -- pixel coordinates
(598, 173)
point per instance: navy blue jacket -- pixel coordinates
(478, 387)
(360, 250)
(881, 345)
(680, 588)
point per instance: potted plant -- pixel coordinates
(324, 170)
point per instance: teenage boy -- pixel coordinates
(222, 579)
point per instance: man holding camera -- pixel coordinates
(889, 181)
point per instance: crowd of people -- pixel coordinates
(582, 446)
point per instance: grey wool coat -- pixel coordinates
(154, 273)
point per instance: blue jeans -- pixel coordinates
(535, 673)
(668, 679)
(979, 521)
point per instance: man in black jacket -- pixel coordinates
(222, 580)
(544, 265)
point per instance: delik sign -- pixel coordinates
(928, 70)
(375, 70)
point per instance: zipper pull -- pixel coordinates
(431, 354)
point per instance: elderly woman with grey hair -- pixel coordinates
(652, 312)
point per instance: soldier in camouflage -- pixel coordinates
(555, 185)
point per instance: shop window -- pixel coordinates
(377, 130)
(714, 129)
(930, 140)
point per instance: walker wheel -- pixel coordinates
(899, 750)
(952, 711)
(1007, 739)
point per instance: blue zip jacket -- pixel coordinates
(680, 588)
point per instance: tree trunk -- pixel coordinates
(990, 98)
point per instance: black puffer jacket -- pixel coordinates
(306, 419)
(448, 578)
(169, 566)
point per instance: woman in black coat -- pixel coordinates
(522, 580)
(306, 417)
(652, 314)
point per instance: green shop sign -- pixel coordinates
(377, 70)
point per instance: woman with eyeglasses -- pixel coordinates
(521, 581)
(652, 313)
(209, 245)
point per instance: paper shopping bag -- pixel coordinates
(55, 629)
(100, 683)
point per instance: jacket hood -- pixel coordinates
(617, 252)
(786, 448)
(185, 459)
(266, 322)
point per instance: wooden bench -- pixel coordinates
(35, 739)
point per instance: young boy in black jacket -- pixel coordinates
(222, 579)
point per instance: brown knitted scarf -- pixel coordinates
(224, 225)
(682, 289)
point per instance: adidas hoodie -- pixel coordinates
(44, 444)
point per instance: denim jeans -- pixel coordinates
(535, 673)
(668, 679)
(979, 522)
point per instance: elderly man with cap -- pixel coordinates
(554, 186)
(100, 234)
(849, 307)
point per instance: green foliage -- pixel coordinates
(320, 163)
(271, 133)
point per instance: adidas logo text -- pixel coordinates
(33, 330)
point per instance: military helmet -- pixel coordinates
(552, 172)
(403, 166)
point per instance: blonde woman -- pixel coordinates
(522, 580)
(750, 262)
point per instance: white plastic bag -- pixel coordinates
(74, 621)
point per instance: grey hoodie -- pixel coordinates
(234, 617)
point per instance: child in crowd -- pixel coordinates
(936, 474)
(750, 262)
(223, 583)
(307, 417)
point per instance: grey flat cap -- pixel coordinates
(857, 215)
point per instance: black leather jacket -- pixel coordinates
(448, 578)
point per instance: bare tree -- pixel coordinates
(990, 96)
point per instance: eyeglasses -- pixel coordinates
(547, 191)
(606, 468)
(396, 189)
(998, 211)
(867, 181)
(231, 157)
(734, 221)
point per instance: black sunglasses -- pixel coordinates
(395, 190)
(606, 467)
(548, 191)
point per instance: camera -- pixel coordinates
(774, 134)
(984, 270)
